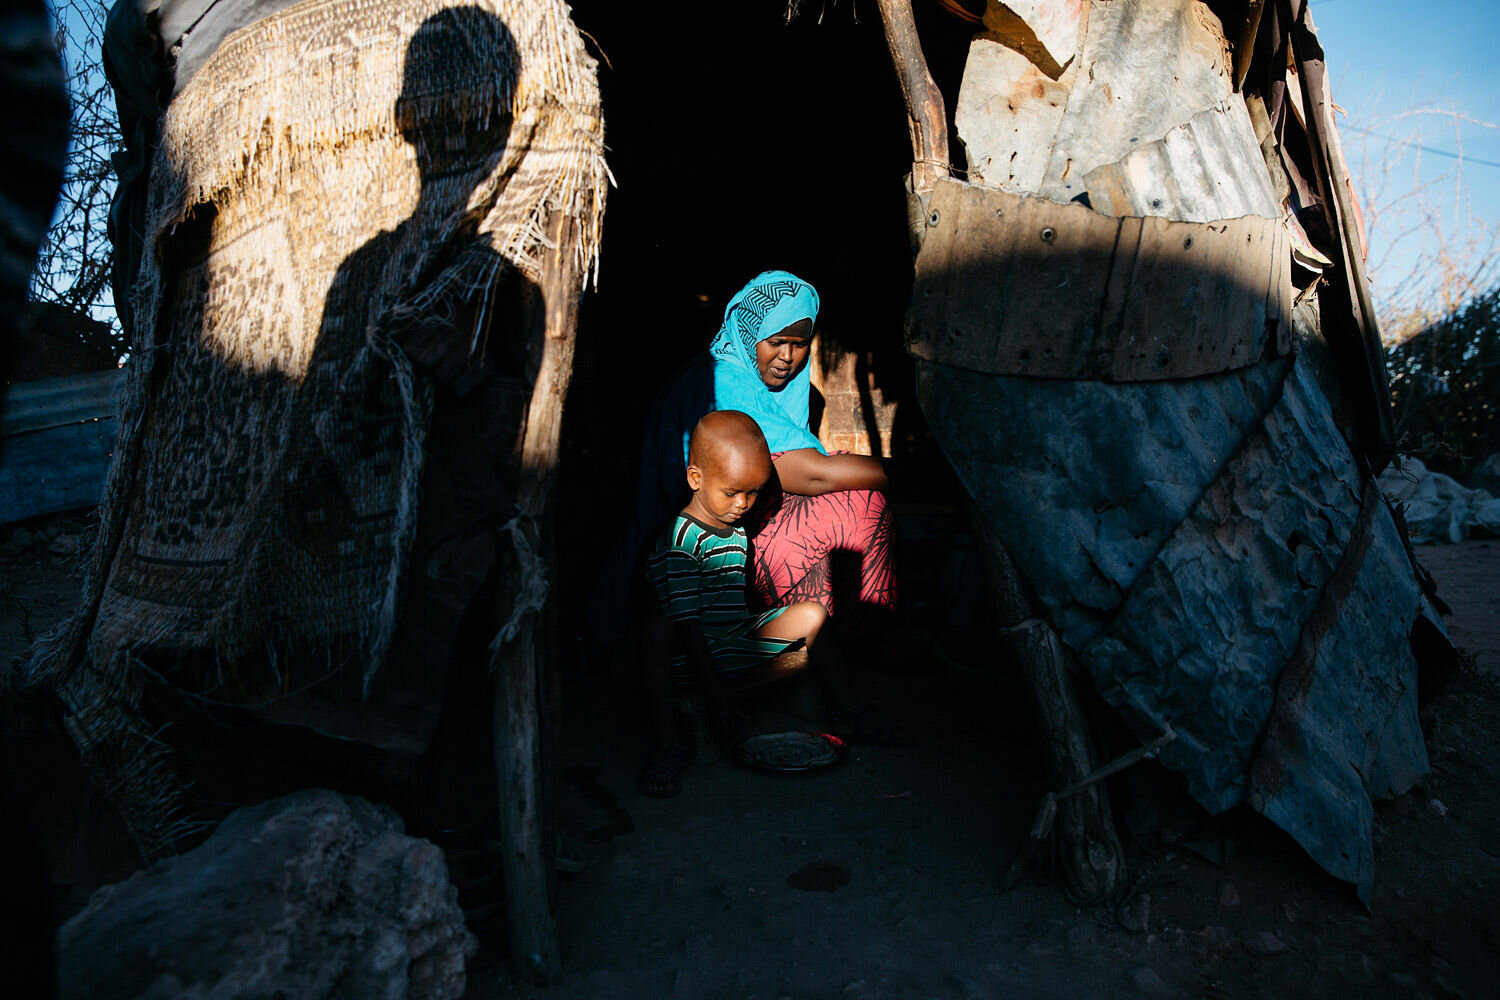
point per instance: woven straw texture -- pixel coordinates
(335, 175)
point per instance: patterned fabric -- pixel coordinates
(834, 549)
(336, 176)
(698, 574)
(771, 302)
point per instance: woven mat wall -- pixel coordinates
(273, 486)
(335, 174)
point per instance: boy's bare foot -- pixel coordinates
(661, 778)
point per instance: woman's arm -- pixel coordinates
(810, 473)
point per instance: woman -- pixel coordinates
(825, 535)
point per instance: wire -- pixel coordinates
(1424, 148)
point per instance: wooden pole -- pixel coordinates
(927, 119)
(1093, 861)
(521, 665)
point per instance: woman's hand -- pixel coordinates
(810, 473)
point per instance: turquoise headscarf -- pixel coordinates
(770, 303)
(725, 378)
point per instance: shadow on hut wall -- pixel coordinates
(269, 488)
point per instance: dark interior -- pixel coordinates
(757, 144)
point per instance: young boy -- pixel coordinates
(708, 636)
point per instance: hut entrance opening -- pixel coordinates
(744, 144)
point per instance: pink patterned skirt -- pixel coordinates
(834, 549)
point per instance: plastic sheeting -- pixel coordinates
(1439, 508)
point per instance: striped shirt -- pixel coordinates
(698, 574)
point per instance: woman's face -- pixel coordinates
(782, 355)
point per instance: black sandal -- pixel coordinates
(661, 778)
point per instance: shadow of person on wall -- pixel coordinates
(425, 325)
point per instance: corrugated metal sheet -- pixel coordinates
(1207, 168)
(57, 402)
(58, 437)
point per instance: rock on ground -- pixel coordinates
(314, 895)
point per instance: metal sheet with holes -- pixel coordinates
(1010, 285)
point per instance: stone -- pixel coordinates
(1212, 942)
(1082, 939)
(63, 545)
(967, 989)
(1229, 896)
(1148, 982)
(1436, 807)
(1264, 945)
(1135, 915)
(1353, 966)
(315, 894)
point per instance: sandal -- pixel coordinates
(868, 727)
(661, 778)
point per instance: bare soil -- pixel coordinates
(880, 877)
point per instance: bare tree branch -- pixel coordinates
(1430, 253)
(73, 267)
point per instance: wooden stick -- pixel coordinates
(1093, 861)
(927, 119)
(1046, 812)
(1140, 753)
(519, 666)
(518, 765)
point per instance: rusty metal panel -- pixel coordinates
(1022, 286)
(54, 469)
(1345, 726)
(1146, 67)
(1007, 114)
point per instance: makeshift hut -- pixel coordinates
(353, 239)
(1141, 332)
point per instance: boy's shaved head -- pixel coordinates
(728, 465)
(728, 439)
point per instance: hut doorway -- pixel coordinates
(741, 143)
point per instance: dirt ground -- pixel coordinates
(879, 878)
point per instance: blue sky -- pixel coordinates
(1403, 72)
